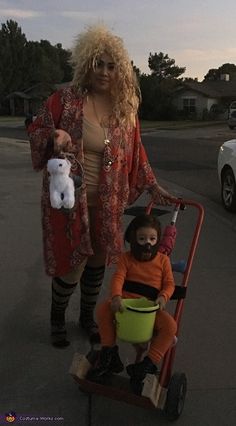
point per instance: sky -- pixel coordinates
(198, 34)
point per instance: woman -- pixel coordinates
(94, 122)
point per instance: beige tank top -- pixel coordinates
(93, 142)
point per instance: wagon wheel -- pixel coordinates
(176, 396)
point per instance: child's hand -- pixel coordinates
(161, 302)
(116, 304)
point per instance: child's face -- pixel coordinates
(146, 245)
(146, 235)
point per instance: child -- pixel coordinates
(142, 271)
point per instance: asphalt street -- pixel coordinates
(34, 376)
(189, 157)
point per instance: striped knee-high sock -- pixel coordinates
(61, 293)
(91, 282)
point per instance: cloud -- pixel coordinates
(207, 55)
(75, 14)
(21, 14)
(199, 61)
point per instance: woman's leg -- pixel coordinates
(62, 289)
(90, 285)
(91, 282)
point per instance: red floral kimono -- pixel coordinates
(66, 236)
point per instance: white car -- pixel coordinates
(227, 174)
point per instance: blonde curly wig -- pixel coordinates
(88, 47)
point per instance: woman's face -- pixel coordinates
(103, 76)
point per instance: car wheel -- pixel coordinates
(228, 190)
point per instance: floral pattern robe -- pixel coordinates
(66, 236)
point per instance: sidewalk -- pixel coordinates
(34, 375)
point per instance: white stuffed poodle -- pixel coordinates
(61, 187)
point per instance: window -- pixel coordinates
(189, 105)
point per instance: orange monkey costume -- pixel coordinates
(133, 279)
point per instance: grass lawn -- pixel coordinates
(11, 119)
(184, 124)
(145, 124)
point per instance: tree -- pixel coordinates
(51, 71)
(158, 87)
(136, 70)
(163, 67)
(157, 98)
(25, 63)
(190, 79)
(46, 63)
(64, 56)
(214, 74)
(33, 64)
(12, 45)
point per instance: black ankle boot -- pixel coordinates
(108, 362)
(91, 329)
(116, 365)
(58, 329)
(139, 370)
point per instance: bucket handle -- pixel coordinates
(155, 308)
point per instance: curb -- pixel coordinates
(214, 209)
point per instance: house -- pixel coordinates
(29, 100)
(206, 99)
(17, 103)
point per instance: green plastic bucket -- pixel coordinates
(135, 324)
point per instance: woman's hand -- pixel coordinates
(116, 304)
(161, 302)
(161, 196)
(62, 141)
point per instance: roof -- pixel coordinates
(38, 91)
(63, 85)
(18, 94)
(211, 89)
